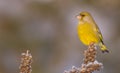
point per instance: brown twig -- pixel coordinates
(26, 60)
(90, 63)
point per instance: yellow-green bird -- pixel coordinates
(89, 32)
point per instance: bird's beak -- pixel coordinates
(78, 17)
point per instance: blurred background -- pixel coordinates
(48, 29)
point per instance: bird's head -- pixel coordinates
(84, 16)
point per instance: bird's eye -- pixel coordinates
(82, 15)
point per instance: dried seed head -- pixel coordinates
(26, 61)
(90, 63)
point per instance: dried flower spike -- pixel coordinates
(90, 54)
(90, 63)
(26, 61)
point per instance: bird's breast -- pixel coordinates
(86, 33)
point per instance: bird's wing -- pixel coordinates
(99, 33)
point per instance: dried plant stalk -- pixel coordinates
(90, 63)
(26, 60)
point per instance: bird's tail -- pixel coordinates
(103, 47)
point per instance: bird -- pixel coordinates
(88, 31)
